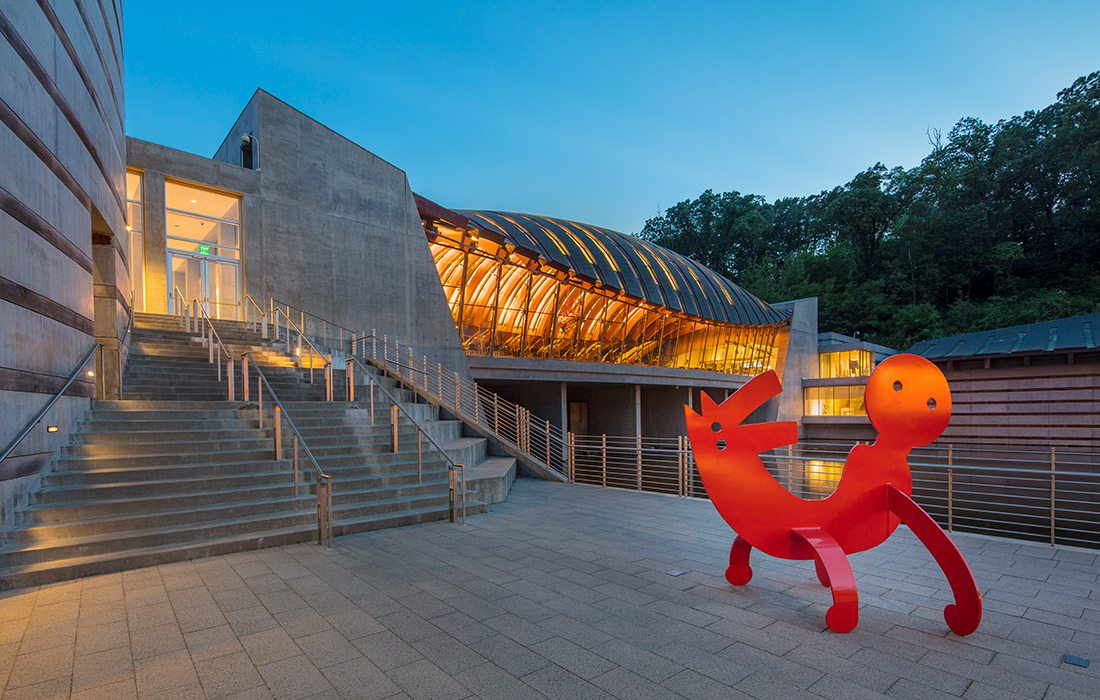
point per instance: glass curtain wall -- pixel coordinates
(511, 306)
(135, 226)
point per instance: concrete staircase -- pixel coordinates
(174, 471)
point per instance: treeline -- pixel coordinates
(998, 225)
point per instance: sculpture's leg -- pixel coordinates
(828, 556)
(822, 574)
(739, 572)
(964, 616)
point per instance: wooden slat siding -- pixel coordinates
(46, 81)
(17, 294)
(36, 383)
(17, 126)
(1045, 405)
(26, 216)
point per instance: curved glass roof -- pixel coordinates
(639, 268)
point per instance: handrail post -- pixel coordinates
(349, 379)
(679, 465)
(419, 457)
(260, 398)
(229, 378)
(451, 486)
(571, 463)
(373, 345)
(210, 339)
(458, 395)
(638, 443)
(277, 417)
(790, 468)
(477, 405)
(244, 376)
(295, 463)
(463, 468)
(393, 425)
(328, 381)
(547, 440)
(324, 512)
(370, 389)
(1052, 496)
(603, 457)
(950, 488)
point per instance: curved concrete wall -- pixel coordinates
(63, 274)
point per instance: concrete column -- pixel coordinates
(110, 284)
(638, 410)
(156, 245)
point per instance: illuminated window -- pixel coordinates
(846, 363)
(834, 401)
(204, 247)
(135, 225)
(822, 476)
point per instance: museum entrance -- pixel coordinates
(215, 282)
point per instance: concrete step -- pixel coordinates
(149, 437)
(77, 476)
(151, 450)
(492, 478)
(92, 493)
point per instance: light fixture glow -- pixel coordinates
(51, 428)
(91, 373)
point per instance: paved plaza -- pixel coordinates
(564, 591)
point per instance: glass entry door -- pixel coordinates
(215, 282)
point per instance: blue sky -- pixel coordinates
(606, 112)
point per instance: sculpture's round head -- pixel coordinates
(908, 400)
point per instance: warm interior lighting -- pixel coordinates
(51, 428)
(518, 307)
(822, 476)
(91, 373)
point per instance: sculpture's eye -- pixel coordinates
(716, 427)
(897, 386)
(931, 404)
(721, 444)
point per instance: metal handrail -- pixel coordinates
(263, 314)
(490, 410)
(451, 464)
(275, 303)
(49, 404)
(324, 481)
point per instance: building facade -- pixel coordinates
(65, 267)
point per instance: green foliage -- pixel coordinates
(999, 225)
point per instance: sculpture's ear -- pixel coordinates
(710, 408)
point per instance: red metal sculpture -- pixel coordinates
(909, 404)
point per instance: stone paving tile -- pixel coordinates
(563, 591)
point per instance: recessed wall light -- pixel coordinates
(91, 373)
(51, 428)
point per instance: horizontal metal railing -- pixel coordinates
(1050, 495)
(456, 472)
(543, 442)
(322, 480)
(314, 352)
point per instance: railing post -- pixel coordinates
(679, 465)
(424, 358)
(463, 468)
(477, 405)
(458, 395)
(324, 512)
(950, 488)
(439, 371)
(547, 444)
(244, 376)
(295, 464)
(229, 377)
(393, 425)
(452, 477)
(638, 457)
(373, 345)
(210, 340)
(570, 464)
(328, 381)
(370, 389)
(419, 457)
(277, 417)
(496, 413)
(603, 458)
(790, 468)
(349, 379)
(260, 398)
(1052, 496)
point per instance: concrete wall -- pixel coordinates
(797, 361)
(340, 235)
(61, 184)
(159, 163)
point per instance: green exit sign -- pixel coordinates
(204, 249)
